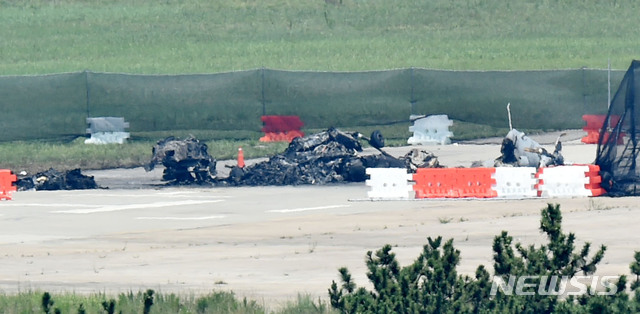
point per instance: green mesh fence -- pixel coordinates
(55, 106)
(49, 106)
(539, 99)
(324, 99)
(225, 101)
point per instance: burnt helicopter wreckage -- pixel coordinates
(328, 157)
(185, 161)
(331, 156)
(518, 150)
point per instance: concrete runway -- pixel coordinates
(269, 243)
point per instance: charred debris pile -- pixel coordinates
(327, 157)
(185, 161)
(330, 156)
(52, 180)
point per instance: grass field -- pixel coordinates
(197, 36)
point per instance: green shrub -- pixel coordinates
(432, 285)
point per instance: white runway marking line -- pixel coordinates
(181, 218)
(169, 194)
(111, 208)
(294, 210)
(42, 205)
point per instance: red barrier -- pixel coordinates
(454, 182)
(7, 178)
(594, 125)
(281, 128)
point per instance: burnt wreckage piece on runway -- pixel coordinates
(52, 180)
(327, 157)
(331, 156)
(186, 161)
(518, 150)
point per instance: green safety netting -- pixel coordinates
(55, 106)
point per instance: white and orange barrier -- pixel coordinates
(569, 181)
(389, 183)
(502, 182)
(515, 182)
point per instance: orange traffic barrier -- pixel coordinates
(594, 181)
(594, 126)
(454, 183)
(434, 183)
(477, 182)
(7, 178)
(240, 158)
(281, 128)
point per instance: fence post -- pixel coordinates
(264, 104)
(412, 100)
(584, 90)
(87, 95)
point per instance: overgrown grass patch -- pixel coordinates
(151, 302)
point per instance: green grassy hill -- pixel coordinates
(201, 36)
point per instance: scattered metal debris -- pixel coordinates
(52, 180)
(186, 161)
(421, 159)
(518, 150)
(327, 157)
(331, 156)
